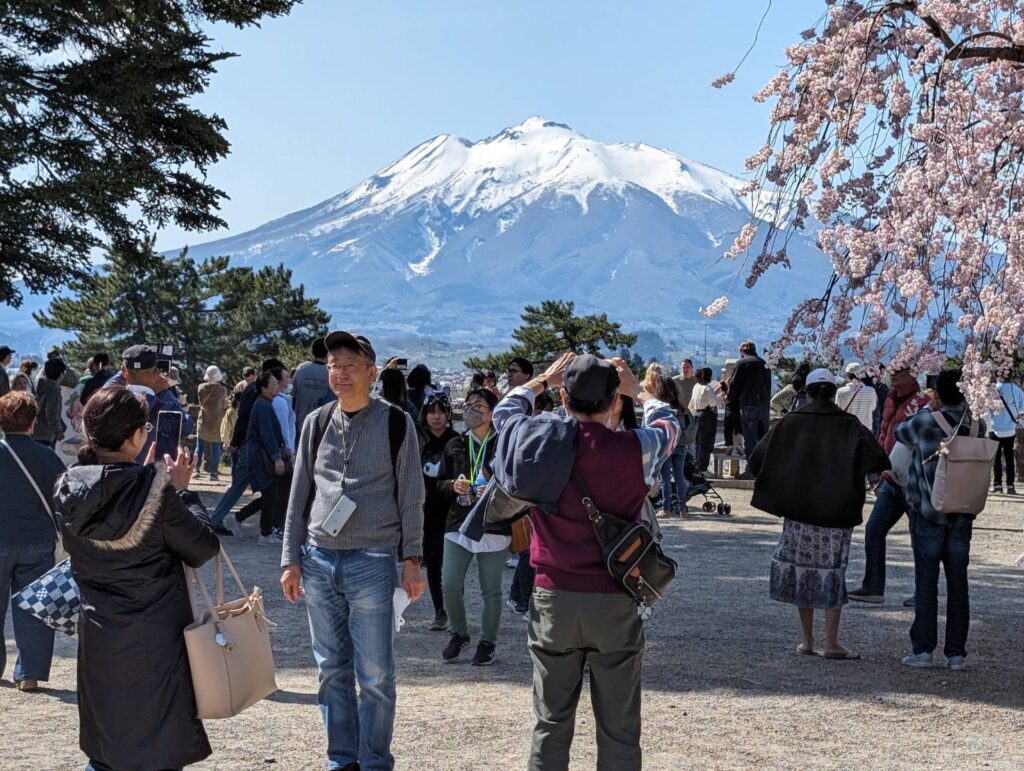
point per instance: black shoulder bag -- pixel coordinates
(631, 553)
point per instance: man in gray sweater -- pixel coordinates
(350, 510)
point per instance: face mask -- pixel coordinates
(473, 418)
(288, 389)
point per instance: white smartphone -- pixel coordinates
(339, 516)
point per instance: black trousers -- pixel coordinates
(522, 583)
(707, 426)
(1006, 451)
(433, 558)
(275, 503)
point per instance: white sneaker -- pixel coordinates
(919, 660)
(270, 540)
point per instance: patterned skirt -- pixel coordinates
(809, 565)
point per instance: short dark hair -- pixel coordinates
(688, 361)
(393, 388)
(419, 377)
(747, 348)
(948, 388)
(248, 371)
(263, 380)
(101, 359)
(665, 389)
(109, 419)
(485, 394)
(17, 411)
(523, 364)
(591, 408)
(828, 390)
(703, 375)
(319, 348)
(54, 368)
(629, 421)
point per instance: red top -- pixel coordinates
(564, 549)
(895, 410)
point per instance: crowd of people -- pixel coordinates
(356, 469)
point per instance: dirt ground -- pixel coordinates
(723, 687)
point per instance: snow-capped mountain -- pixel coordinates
(456, 237)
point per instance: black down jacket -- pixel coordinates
(128, 533)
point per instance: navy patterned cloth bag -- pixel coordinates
(53, 598)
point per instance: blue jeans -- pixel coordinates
(214, 457)
(950, 546)
(890, 505)
(351, 622)
(754, 424)
(239, 481)
(20, 566)
(673, 466)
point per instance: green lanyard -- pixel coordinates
(476, 461)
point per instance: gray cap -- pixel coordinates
(590, 379)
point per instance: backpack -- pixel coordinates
(396, 435)
(964, 466)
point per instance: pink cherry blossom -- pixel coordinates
(900, 127)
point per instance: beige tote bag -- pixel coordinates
(228, 648)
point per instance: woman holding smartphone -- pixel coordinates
(129, 530)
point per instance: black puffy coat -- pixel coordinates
(129, 533)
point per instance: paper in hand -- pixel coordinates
(401, 601)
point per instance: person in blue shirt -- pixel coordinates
(939, 540)
(1003, 428)
(140, 374)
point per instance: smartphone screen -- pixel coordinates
(402, 364)
(168, 433)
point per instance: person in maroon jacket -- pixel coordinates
(903, 401)
(579, 614)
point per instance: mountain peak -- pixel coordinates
(533, 126)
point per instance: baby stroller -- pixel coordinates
(697, 484)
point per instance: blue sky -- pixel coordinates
(320, 99)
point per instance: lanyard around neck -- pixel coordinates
(476, 461)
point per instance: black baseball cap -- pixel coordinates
(590, 379)
(139, 357)
(340, 339)
(6, 351)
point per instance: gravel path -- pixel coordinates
(723, 687)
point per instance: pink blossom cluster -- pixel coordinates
(715, 308)
(900, 127)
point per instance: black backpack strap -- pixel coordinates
(396, 436)
(323, 420)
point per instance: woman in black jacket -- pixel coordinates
(129, 530)
(810, 471)
(435, 433)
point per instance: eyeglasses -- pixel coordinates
(513, 370)
(477, 404)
